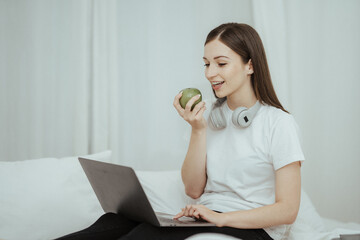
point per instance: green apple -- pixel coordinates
(187, 94)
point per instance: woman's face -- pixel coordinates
(225, 69)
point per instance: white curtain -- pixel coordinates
(270, 21)
(314, 56)
(78, 77)
(44, 72)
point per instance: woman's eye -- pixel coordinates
(219, 64)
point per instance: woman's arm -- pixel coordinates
(283, 211)
(193, 171)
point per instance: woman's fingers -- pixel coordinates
(191, 102)
(177, 105)
(180, 214)
(189, 211)
(196, 214)
(198, 107)
(186, 210)
(200, 113)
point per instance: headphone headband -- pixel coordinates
(241, 117)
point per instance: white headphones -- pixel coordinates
(241, 117)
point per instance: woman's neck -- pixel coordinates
(245, 98)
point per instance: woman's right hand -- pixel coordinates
(195, 117)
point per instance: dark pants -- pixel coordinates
(115, 226)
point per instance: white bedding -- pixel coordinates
(48, 198)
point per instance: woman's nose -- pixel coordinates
(211, 71)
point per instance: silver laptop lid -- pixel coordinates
(119, 190)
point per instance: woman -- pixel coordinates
(243, 162)
(250, 174)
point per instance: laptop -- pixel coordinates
(119, 191)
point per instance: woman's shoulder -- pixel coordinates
(275, 115)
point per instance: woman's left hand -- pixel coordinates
(201, 212)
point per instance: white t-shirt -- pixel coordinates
(241, 162)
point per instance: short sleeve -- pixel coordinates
(285, 142)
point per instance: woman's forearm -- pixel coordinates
(193, 171)
(276, 214)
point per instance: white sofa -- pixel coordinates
(47, 198)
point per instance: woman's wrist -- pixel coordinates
(198, 131)
(223, 220)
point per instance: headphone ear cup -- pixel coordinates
(241, 117)
(217, 119)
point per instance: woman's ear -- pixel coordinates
(249, 67)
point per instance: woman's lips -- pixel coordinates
(217, 86)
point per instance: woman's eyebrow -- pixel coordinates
(216, 57)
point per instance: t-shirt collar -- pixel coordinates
(226, 108)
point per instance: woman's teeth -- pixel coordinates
(216, 83)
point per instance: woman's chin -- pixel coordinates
(220, 94)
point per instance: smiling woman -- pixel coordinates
(227, 74)
(245, 165)
(241, 56)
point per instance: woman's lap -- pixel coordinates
(147, 231)
(113, 226)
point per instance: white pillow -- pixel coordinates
(46, 198)
(164, 190)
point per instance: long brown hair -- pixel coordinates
(245, 41)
